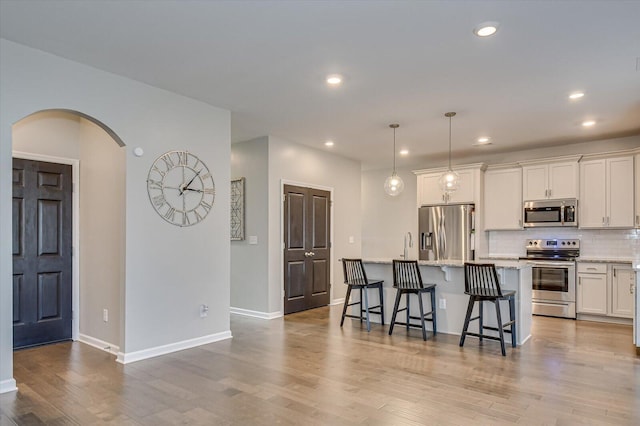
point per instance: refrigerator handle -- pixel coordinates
(426, 240)
(443, 238)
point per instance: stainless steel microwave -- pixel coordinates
(551, 213)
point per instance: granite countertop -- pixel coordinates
(511, 263)
(588, 259)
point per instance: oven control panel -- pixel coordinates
(553, 244)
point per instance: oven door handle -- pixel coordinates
(542, 264)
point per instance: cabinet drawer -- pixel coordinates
(592, 268)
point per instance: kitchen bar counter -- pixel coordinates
(450, 298)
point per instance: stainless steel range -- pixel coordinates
(553, 276)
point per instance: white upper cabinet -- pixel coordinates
(550, 181)
(430, 193)
(606, 193)
(638, 191)
(503, 199)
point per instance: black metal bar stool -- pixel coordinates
(356, 278)
(407, 280)
(481, 284)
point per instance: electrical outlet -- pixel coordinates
(442, 303)
(204, 311)
(105, 315)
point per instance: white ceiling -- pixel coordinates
(406, 62)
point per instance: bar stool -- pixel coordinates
(407, 280)
(481, 284)
(356, 278)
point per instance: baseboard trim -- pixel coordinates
(602, 318)
(8, 385)
(127, 358)
(255, 314)
(99, 344)
(337, 302)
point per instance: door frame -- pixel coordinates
(75, 229)
(284, 182)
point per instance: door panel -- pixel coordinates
(307, 248)
(41, 253)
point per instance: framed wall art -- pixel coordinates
(237, 209)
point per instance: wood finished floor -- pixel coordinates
(306, 370)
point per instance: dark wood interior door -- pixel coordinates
(307, 248)
(42, 308)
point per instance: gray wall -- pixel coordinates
(308, 166)
(170, 270)
(249, 263)
(386, 219)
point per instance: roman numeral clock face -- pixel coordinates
(181, 188)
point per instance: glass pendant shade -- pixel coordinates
(393, 185)
(450, 181)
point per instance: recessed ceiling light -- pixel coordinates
(486, 29)
(404, 152)
(484, 140)
(576, 95)
(588, 123)
(328, 143)
(334, 79)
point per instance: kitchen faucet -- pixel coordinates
(408, 242)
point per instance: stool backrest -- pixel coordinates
(406, 274)
(354, 272)
(481, 280)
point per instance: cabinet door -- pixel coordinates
(592, 208)
(620, 192)
(429, 192)
(563, 180)
(534, 182)
(622, 291)
(503, 199)
(592, 294)
(464, 193)
(638, 191)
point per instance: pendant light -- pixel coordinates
(450, 180)
(394, 184)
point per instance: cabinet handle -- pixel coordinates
(631, 288)
(638, 219)
(549, 193)
(603, 222)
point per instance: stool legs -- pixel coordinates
(466, 319)
(366, 308)
(424, 329)
(512, 317)
(500, 330)
(346, 305)
(381, 304)
(480, 318)
(395, 312)
(433, 309)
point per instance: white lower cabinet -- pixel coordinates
(591, 293)
(605, 289)
(622, 290)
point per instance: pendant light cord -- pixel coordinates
(449, 143)
(394, 150)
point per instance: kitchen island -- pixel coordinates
(450, 298)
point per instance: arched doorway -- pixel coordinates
(97, 233)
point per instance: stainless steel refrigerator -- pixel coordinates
(446, 232)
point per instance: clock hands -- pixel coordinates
(186, 187)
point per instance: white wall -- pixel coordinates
(304, 165)
(170, 270)
(249, 263)
(386, 219)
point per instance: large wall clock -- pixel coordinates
(181, 188)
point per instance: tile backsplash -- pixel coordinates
(594, 243)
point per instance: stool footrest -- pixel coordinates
(484, 336)
(496, 328)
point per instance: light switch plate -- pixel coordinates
(352, 239)
(253, 239)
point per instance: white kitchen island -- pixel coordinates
(450, 298)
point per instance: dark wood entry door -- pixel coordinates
(42, 309)
(307, 248)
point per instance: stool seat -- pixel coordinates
(481, 284)
(407, 280)
(355, 277)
